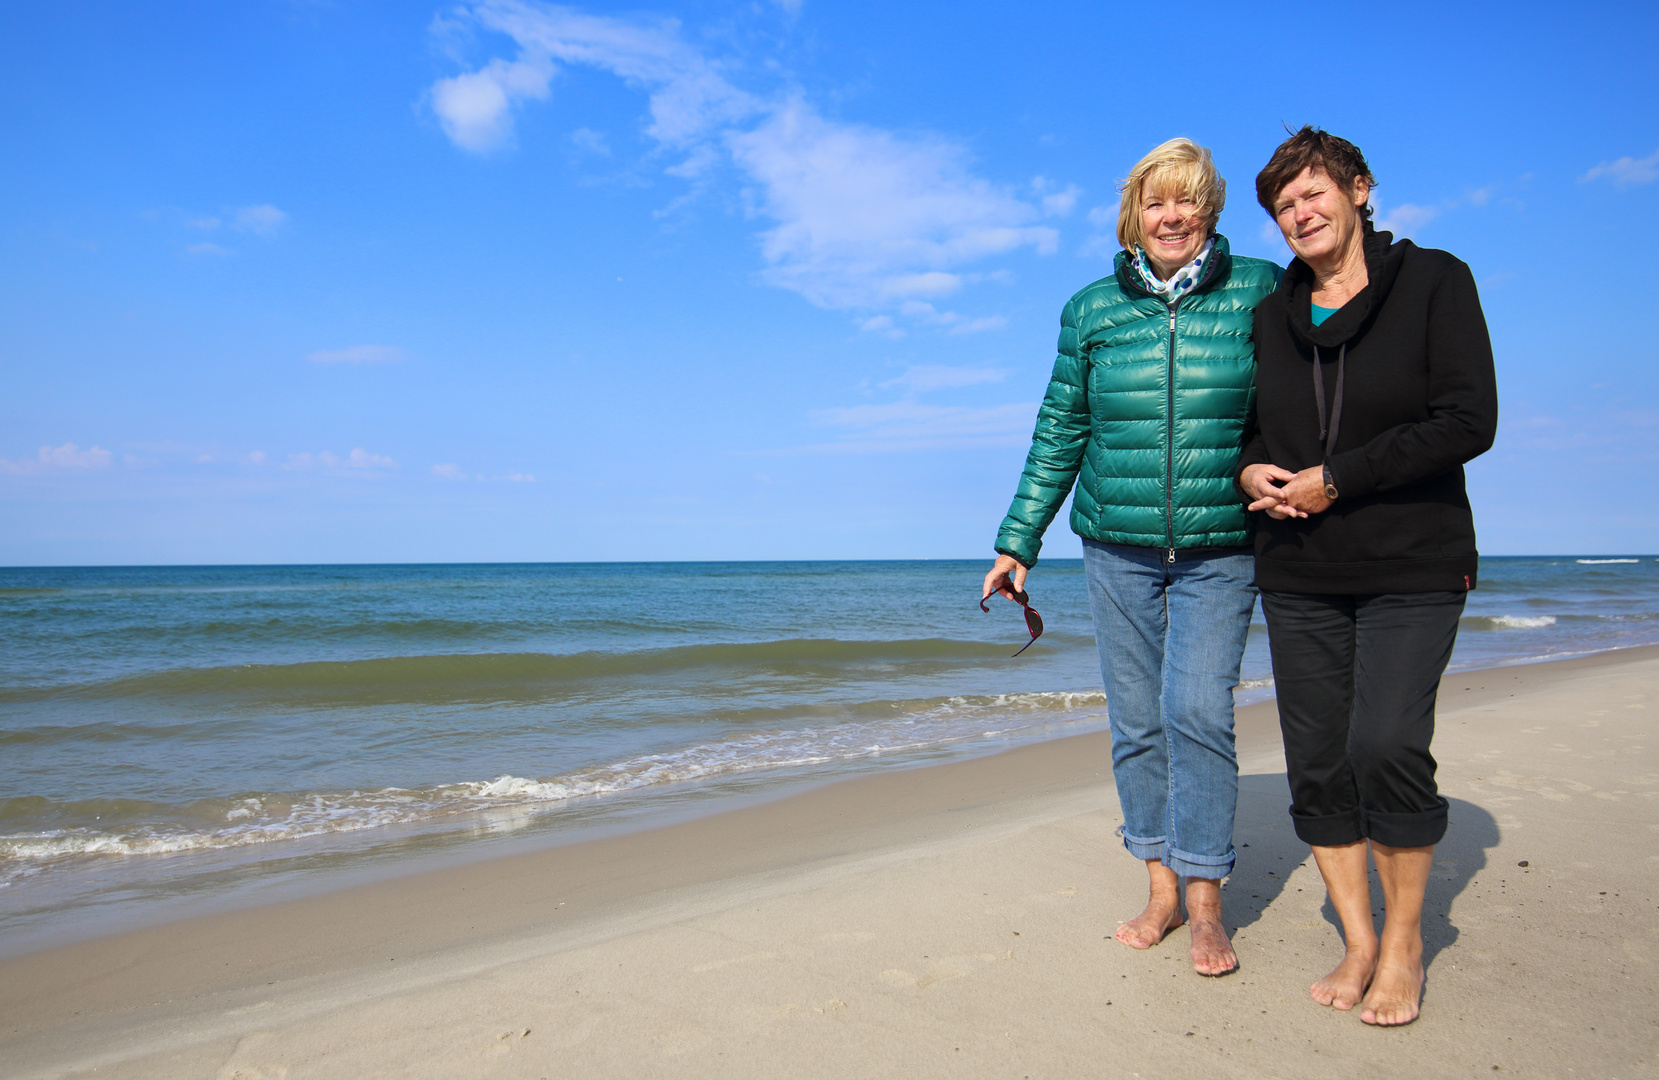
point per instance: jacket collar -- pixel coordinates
(1383, 258)
(1215, 272)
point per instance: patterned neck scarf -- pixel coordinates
(1181, 282)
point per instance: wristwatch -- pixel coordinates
(1330, 485)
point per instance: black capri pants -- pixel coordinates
(1356, 678)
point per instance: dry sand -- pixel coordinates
(949, 921)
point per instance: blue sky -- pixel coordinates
(324, 281)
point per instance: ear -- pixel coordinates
(1362, 191)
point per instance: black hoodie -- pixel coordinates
(1420, 400)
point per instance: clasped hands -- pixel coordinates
(1285, 494)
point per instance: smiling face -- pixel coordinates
(1172, 232)
(1320, 221)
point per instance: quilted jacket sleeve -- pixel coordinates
(1056, 449)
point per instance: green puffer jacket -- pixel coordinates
(1151, 403)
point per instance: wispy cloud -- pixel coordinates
(1404, 220)
(911, 426)
(1626, 171)
(858, 217)
(594, 142)
(359, 461)
(206, 249)
(451, 471)
(68, 456)
(359, 354)
(924, 378)
(263, 220)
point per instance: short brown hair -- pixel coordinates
(1312, 148)
(1178, 167)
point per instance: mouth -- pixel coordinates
(1175, 240)
(1314, 231)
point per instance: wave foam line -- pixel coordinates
(1509, 622)
(1604, 562)
(259, 819)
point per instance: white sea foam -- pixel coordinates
(915, 726)
(1519, 622)
(1604, 562)
(1255, 684)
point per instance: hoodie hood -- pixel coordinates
(1383, 259)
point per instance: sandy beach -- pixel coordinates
(954, 920)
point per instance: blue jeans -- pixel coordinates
(1171, 637)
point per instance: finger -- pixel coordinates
(1019, 578)
(1266, 502)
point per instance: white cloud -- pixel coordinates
(1404, 220)
(449, 471)
(592, 141)
(71, 456)
(859, 217)
(1626, 171)
(359, 354)
(933, 283)
(358, 461)
(1056, 203)
(921, 378)
(958, 324)
(263, 219)
(860, 211)
(908, 426)
(520, 478)
(67, 456)
(206, 249)
(475, 109)
(1105, 216)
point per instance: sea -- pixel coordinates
(176, 738)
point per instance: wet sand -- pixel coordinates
(954, 920)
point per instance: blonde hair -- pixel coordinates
(1179, 167)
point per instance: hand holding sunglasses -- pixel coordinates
(1033, 621)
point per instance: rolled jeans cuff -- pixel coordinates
(1184, 863)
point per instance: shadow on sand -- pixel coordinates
(1268, 852)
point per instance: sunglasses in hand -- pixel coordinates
(1033, 621)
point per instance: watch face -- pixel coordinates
(1330, 491)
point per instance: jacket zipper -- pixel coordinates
(1169, 439)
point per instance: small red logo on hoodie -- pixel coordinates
(1466, 585)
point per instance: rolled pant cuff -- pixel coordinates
(1144, 847)
(1184, 863)
(1421, 829)
(1209, 867)
(1329, 830)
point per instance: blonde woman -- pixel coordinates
(1146, 413)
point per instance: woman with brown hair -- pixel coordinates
(1375, 385)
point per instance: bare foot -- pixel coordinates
(1344, 987)
(1396, 992)
(1162, 914)
(1212, 952)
